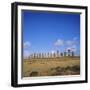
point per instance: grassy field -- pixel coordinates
(51, 66)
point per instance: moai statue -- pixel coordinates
(64, 53)
(34, 55)
(54, 55)
(69, 52)
(72, 53)
(47, 55)
(57, 53)
(38, 55)
(61, 54)
(42, 55)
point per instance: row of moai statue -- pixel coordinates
(52, 55)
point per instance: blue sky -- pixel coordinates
(50, 31)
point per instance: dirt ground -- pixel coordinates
(51, 66)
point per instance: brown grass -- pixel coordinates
(51, 66)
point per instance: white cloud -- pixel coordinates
(27, 44)
(59, 42)
(72, 42)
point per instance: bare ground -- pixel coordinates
(51, 66)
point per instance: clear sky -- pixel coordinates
(50, 31)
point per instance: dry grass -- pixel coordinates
(51, 66)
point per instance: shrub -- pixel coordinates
(75, 68)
